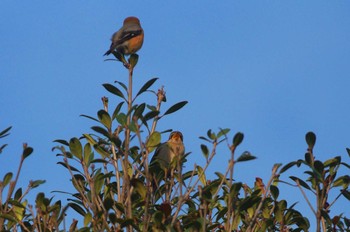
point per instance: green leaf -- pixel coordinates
(76, 148)
(133, 60)
(150, 115)
(98, 182)
(211, 135)
(101, 151)
(346, 194)
(332, 162)
(319, 167)
(237, 139)
(342, 181)
(112, 89)
(246, 156)
(90, 139)
(201, 175)
(87, 219)
(176, 107)
(104, 118)
(121, 118)
(300, 181)
(139, 110)
(61, 141)
(153, 141)
(88, 154)
(68, 167)
(77, 208)
(18, 194)
(36, 183)
(89, 117)
(122, 85)
(146, 86)
(7, 179)
(101, 131)
(348, 151)
(27, 151)
(139, 187)
(310, 138)
(4, 132)
(205, 150)
(308, 158)
(116, 110)
(223, 132)
(274, 191)
(235, 188)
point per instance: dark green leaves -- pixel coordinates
(27, 151)
(146, 86)
(237, 139)
(112, 89)
(175, 107)
(310, 138)
(246, 156)
(4, 132)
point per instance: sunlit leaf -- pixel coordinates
(223, 132)
(201, 175)
(342, 181)
(333, 161)
(90, 139)
(87, 219)
(88, 154)
(7, 179)
(153, 141)
(36, 183)
(76, 148)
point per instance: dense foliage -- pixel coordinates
(109, 170)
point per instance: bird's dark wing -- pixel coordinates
(128, 34)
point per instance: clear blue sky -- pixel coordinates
(271, 69)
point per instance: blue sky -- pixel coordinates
(271, 69)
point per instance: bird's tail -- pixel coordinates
(107, 53)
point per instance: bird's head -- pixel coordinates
(131, 20)
(176, 136)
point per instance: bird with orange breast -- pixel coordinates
(128, 39)
(167, 160)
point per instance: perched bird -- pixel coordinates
(128, 39)
(170, 151)
(167, 159)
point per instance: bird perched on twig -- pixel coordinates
(167, 158)
(128, 39)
